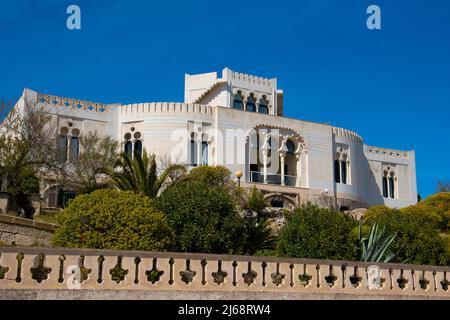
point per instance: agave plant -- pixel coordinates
(377, 247)
(140, 174)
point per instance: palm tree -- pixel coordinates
(140, 174)
(259, 236)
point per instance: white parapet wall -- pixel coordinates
(42, 273)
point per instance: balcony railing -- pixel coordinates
(291, 181)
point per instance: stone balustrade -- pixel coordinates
(59, 269)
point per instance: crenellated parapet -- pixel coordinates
(71, 103)
(386, 152)
(251, 79)
(348, 134)
(164, 107)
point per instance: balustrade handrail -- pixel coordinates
(273, 174)
(212, 256)
(63, 268)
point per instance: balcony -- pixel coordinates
(276, 179)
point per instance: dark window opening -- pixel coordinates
(337, 171)
(344, 172)
(128, 148)
(277, 203)
(263, 106)
(138, 147)
(63, 198)
(238, 102)
(193, 153)
(62, 146)
(385, 187)
(251, 106)
(74, 148)
(290, 147)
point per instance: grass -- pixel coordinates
(48, 218)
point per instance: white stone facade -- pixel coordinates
(236, 120)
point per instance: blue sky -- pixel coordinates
(392, 86)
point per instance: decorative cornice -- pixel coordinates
(387, 152)
(71, 103)
(345, 133)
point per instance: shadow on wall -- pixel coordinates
(373, 196)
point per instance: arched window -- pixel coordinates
(238, 101)
(337, 171)
(263, 105)
(277, 203)
(344, 169)
(129, 149)
(62, 148)
(290, 147)
(385, 186)
(391, 186)
(193, 150)
(251, 105)
(74, 148)
(138, 147)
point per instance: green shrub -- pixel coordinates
(112, 219)
(256, 200)
(418, 240)
(438, 204)
(313, 232)
(202, 217)
(212, 176)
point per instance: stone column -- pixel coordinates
(264, 152)
(244, 104)
(199, 152)
(265, 149)
(282, 155)
(298, 178)
(132, 148)
(69, 144)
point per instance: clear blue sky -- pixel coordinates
(392, 86)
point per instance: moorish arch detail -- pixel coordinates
(292, 203)
(280, 156)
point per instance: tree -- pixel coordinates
(28, 137)
(113, 219)
(258, 236)
(212, 176)
(313, 232)
(140, 174)
(418, 240)
(202, 217)
(27, 149)
(97, 153)
(443, 187)
(439, 204)
(256, 201)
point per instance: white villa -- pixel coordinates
(236, 120)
